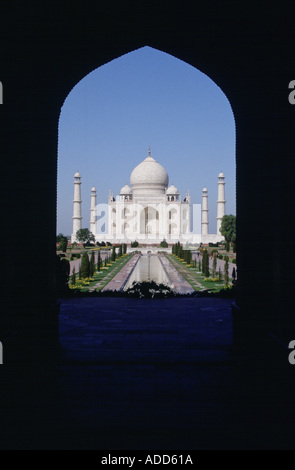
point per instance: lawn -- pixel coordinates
(103, 276)
(192, 275)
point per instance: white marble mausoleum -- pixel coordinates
(149, 210)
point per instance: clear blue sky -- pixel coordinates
(145, 98)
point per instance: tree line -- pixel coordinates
(88, 267)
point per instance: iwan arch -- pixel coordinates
(251, 70)
(149, 208)
(245, 52)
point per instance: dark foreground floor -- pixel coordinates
(143, 374)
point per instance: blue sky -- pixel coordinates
(145, 98)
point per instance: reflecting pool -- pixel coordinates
(148, 268)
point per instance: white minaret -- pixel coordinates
(77, 203)
(92, 211)
(205, 222)
(220, 201)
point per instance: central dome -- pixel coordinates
(149, 175)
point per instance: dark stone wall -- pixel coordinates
(46, 48)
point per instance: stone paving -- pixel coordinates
(142, 374)
(179, 284)
(119, 280)
(146, 374)
(185, 271)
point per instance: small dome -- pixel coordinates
(77, 175)
(126, 190)
(172, 190)
(149, 175)
(221, 175)
(205, 190)
(93, 189)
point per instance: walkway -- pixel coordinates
(184, 270)
(119, 280)
(179, 284)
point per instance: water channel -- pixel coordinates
(148, 268)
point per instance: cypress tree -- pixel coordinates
(98, 261)
(188, 256)
(214, 264)
(80, 274)
(204, 261)
(73, 277)
(85, 266)
(120, 251)
(226, 272)
(180, 252)
(207, 273)
(219, 275)
(113, 254)
(92, 265)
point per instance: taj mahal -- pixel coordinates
(149, 210)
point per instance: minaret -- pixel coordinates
(220, 201)
(77, 203)
(92, 211)
(205, 222)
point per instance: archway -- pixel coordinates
(244, 55)
(206, 144)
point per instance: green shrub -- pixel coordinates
(85, 266)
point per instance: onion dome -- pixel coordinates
(172, 190)
(126, 190)
(149, 176)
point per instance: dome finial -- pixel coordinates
(149, 150)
